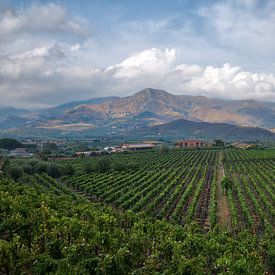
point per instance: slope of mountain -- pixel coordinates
(11, 117)
(6, 112)
(61, 109)
(189, 129)
(170, 107)
(149, 107)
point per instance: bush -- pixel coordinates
(16, 172)
(67, 170)
(53, 171)
(103, 165)
(88, 168)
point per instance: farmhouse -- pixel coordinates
(242, 145)
(191, 143)
(138, 146)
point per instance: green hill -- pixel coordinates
(185, 129)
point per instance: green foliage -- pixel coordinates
(15, 172)
(53, 170)
(50, 147)
(219, 143)
(31, 167)
(226, 183)
(46, 228)
(103, 165)
(42, 232)
(67, 169)
(164, 149)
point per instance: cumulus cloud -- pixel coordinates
(50, 18)
(231, 82)
(45, 62)
(150, 61)
(159, 69)
(35, 78)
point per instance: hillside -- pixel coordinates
(149, 107)
(170, 107)
(185, 129)
(6, 112)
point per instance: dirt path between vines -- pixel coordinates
(223, 213)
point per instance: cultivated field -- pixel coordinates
(182, 186)
(50, 226)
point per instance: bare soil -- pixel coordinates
(223, 213)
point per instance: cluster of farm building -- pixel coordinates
(24, 152)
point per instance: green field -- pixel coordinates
(153, 212)
(181, 186)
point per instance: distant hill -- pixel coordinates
(145, 115)
(10, 144)
(147, 108)
(6, 112)
(11, 117)
(170, 107)
(60, 109)
(189, 129)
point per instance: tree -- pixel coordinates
(88, 168)
(67, 170)
(50, 147)
(219, 143)
(16, 172)
(53, 171)
(103, 165)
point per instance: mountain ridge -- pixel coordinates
(204, 130)
(171, 107)
(146, 108)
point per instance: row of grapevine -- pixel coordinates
(252, 194)
(176, 185)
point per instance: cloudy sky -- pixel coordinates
(57, 51)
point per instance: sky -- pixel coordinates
(53, 52)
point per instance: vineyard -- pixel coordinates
(82, 224)
(252, 194)
(47, 229)
(181, 186)
(176, 186)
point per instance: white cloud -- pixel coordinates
(157, 68)
(231, 82)
(246, 26)
(49, 19)
(46, 57)
(42, 77)
(150, 61)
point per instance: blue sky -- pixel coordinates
(55, 51)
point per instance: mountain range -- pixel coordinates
(149, 110)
